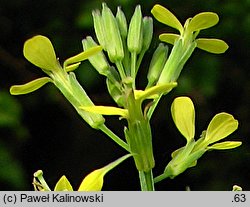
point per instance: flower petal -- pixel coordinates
(222, 125)
(154, 91)
(29, 87)
(106, 110)
(82, 56)
(164, 16)
(94, 180)
(203, 20)
(225, 145)
(212, 45)
(40, 52)
(169, 38)
(63, 184)
(183, 114)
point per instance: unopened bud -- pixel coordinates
(135, 32)
(98, 60)
(157, 63)
(122, 22)
(147, 32)
(112, 35)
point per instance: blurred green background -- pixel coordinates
(42, 131)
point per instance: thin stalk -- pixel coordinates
(120, 69)
(146, 181)
(114, 137)
(133, 67)
(153, 106)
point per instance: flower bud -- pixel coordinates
(113, 39)
(135, 32)
(147, 32)
(98, 60)
(157, 63)
(99, 28)
(122, 22)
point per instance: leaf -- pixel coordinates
(222, 125)
(225, 145)
(183, 114)
(164, 16)
(203, 20)
(153, 91)
(30, 86)
(106, 110)
(94, 180)
(63, 185)
(169, 38)
(82, 56)
(40, 52)
(216, 46)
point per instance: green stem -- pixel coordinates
(114, 137)
(120, 69)
(133, 67)
(146, 181)
(152, 108)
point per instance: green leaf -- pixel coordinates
(225, 145)
(183, 114)
(94, 180)
(222, 125)
(203, 20)
(169, 38)
(164, 16)
(63, 185)
(106, 110)
(82, 56)
(30, 86)
(40, 52)
(212, 45)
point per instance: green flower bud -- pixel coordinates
(76, 95)
(113, 39)
(99, 28)
(177, 59)
(122, 22)
(98, 60)
(135, 32)
(157, 63)
(147, 32)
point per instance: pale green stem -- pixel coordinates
(146, 181)
(120, 69)
(114, 137)
(133, 67)
(152, 108)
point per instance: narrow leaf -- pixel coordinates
(203, 20)
(106, 110)
(183, 114)
(40, 52)
(225, 145)
(63, 185)
(169, 38)
(82, 56)
(222, 125)
(29, 87)
(212, 45)
(164, 16)
(94, 180)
